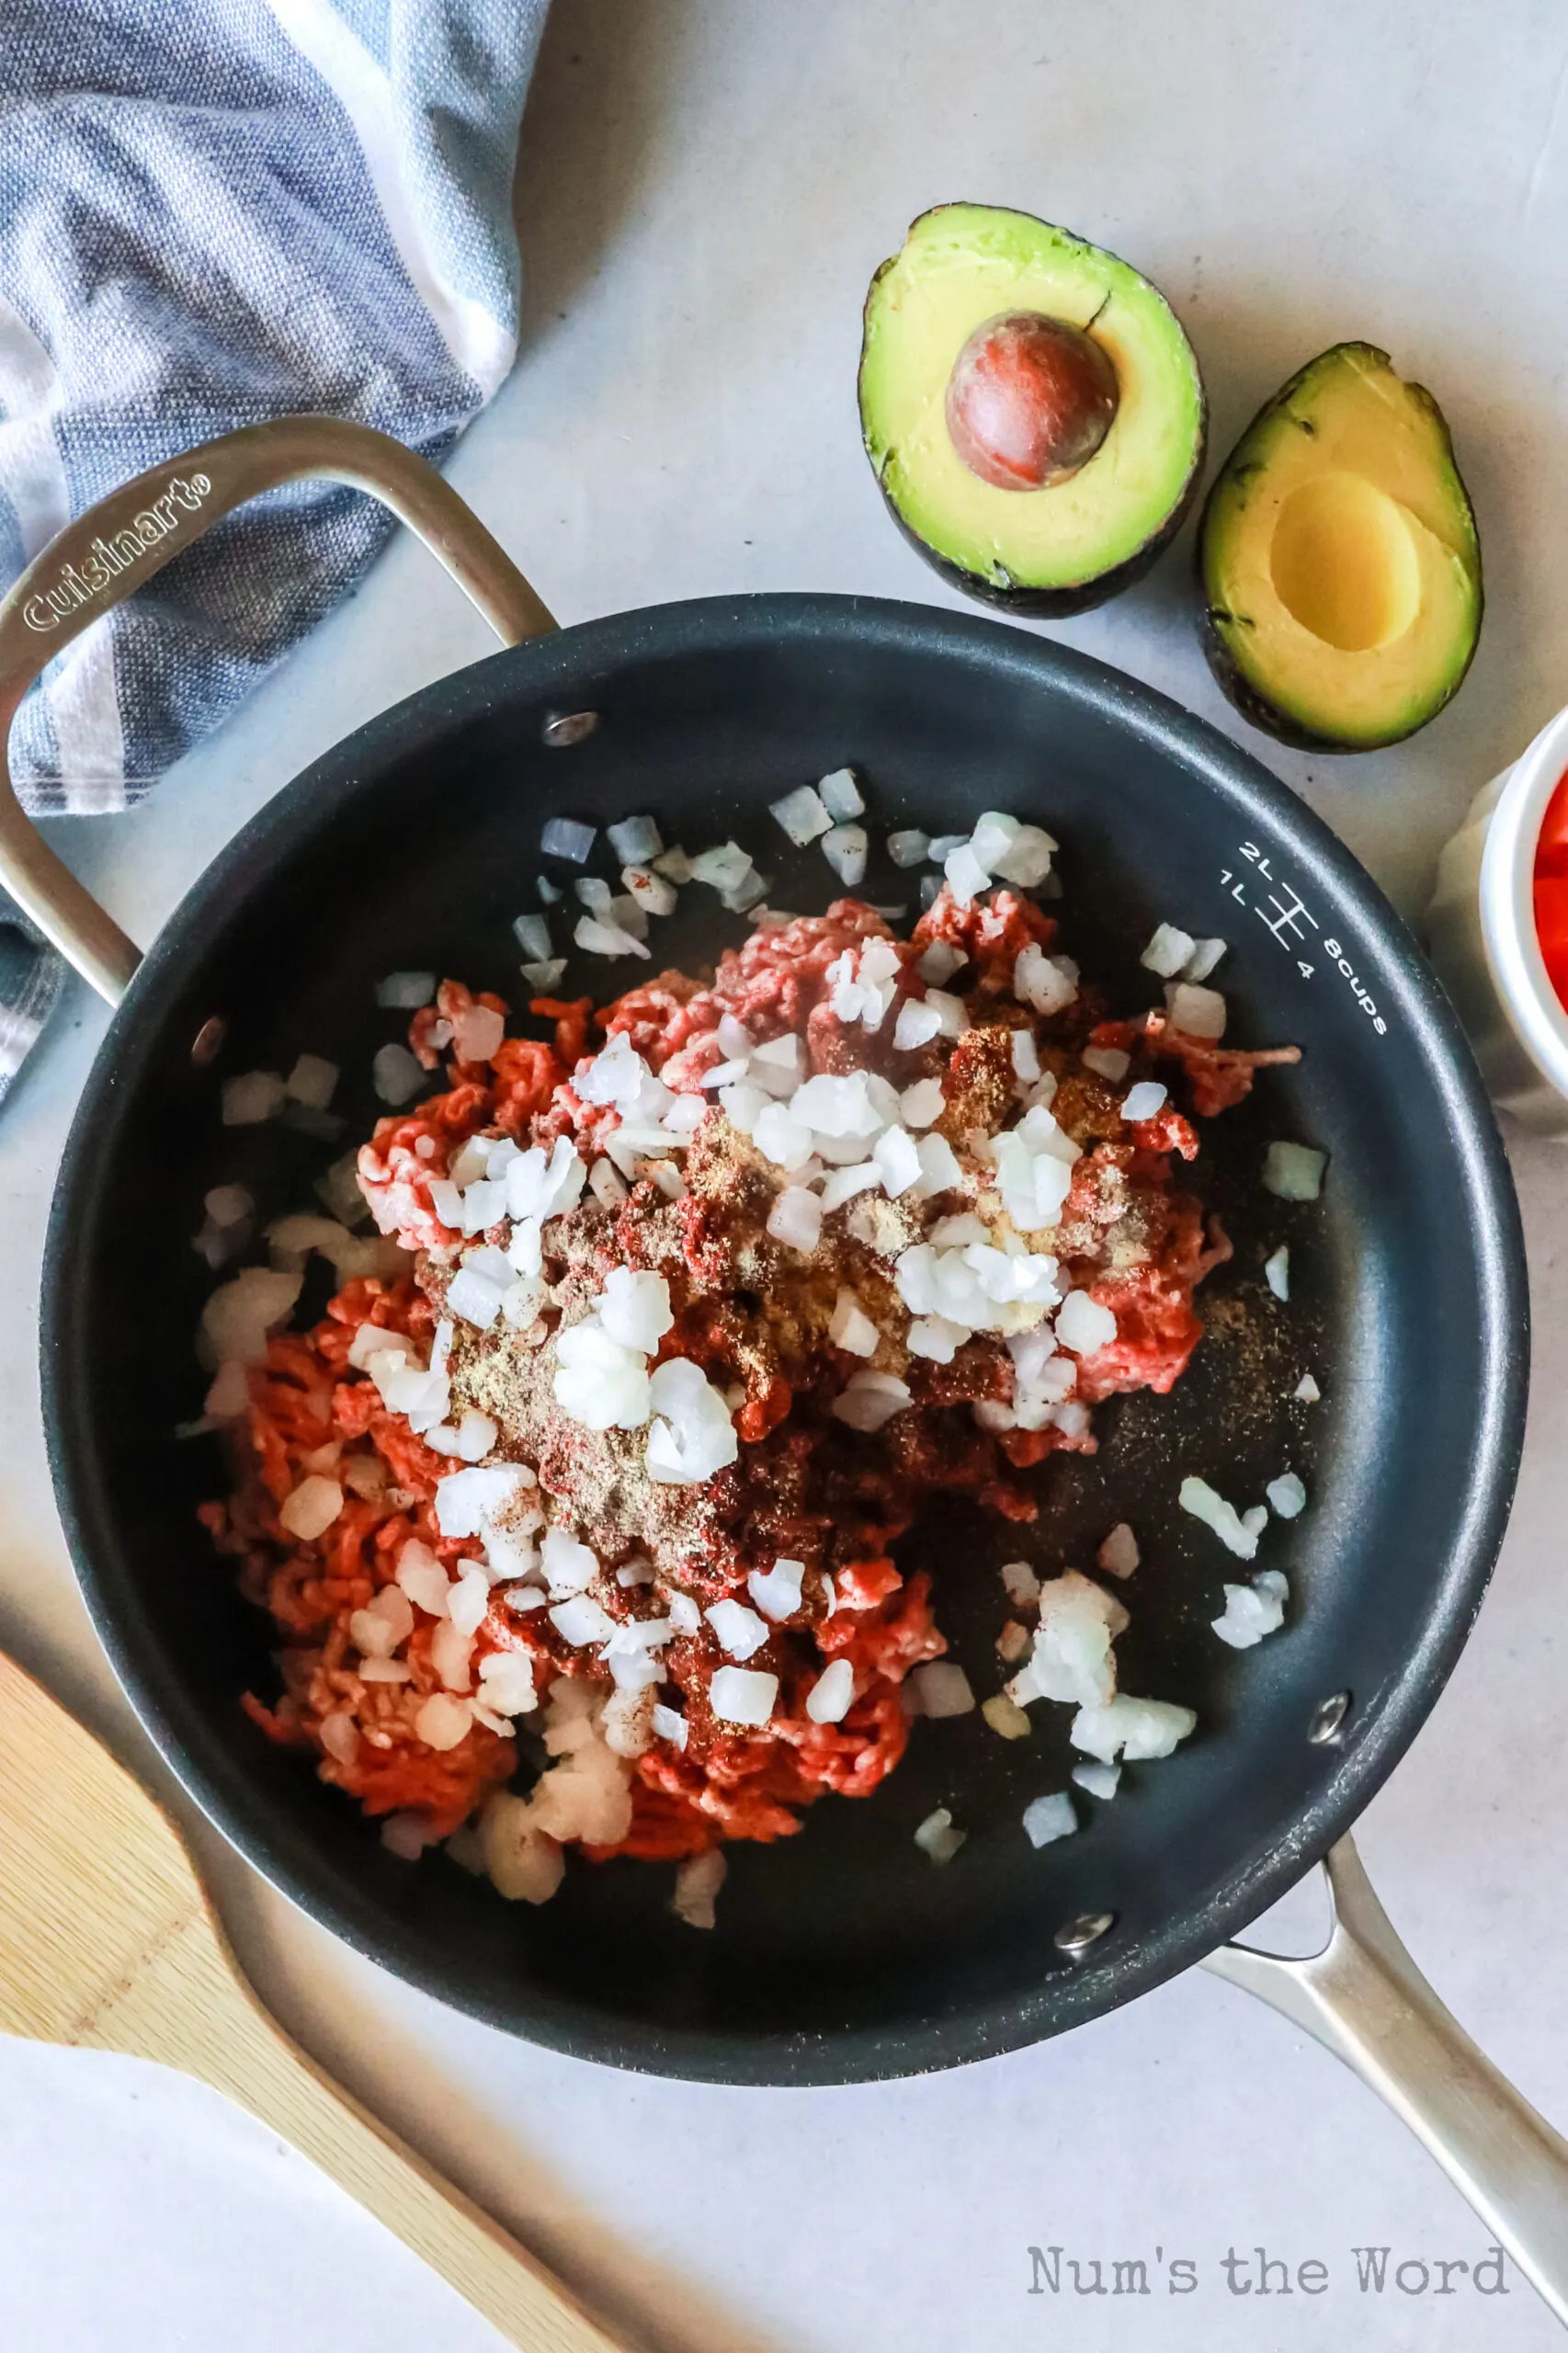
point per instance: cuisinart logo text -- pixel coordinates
(78, 583)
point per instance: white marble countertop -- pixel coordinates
(705, 189)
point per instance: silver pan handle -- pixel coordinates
(1365, 2000)
(106, 554)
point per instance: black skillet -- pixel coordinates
(841, 1954)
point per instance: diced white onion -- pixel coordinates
(443, 1721)
(1168, 951)
(1082, 1325)
(1049, 1818)
(1287, 1496)
(600, 1382)
(777, 1591)
(909, 847)
(1144, 1101)
(802, 815)
(607, 1185)
(1118, 1555)
(724, 868)
(1107, 1062)
(692, 1435)
(921, 1104)
(634, 1308)
(936, 1339)
(795, 1218)
(567, 838)
(582, 1620)
(474, 1298)
(850, 1327)
(1021, 1583)
(423, 1578)
(467, 1500)
(1195, 1012)
(312, 1082)
(310, 1509)
(841, 795)
(533, 937)
(918, 1024)
(1253, 1610)
(655, 893)
(843, 1184)
(259, 1095)
(780, 1137)
(506, 1682)
(942, 1689)
(1204, 1502)
(965, 875)
(635, 840)
(740, 1631)
(1277, 1272)
(1293, 1172)
(845, 849)
(870, 1400)
(1206, 954)
(1047, 983)
(406, 991)
(742, 1695)
(605, 938)
(395, 1074)
(1130, 1728)
(743, 1104)
(629, 912)
(940, 962)
(897, 1156)
(1027, 859)
(669, 1724)
(937, 1836)
(828, 1700)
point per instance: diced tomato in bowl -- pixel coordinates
(1551, 888)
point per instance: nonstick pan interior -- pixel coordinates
(842, 1952)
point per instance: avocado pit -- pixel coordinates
(1029, 400)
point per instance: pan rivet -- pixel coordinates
(563, 727)
(207, 1040)
(1080, 1934)
(1329, 1721)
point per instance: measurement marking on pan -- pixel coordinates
(1283, 912)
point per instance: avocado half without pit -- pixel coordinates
(1338, 561)
(1031, 408)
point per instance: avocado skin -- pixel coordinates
(1023, 602)
(1239, 691)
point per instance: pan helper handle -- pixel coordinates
(110, 551)
(1363, 1998)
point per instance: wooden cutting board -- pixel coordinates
(108, 1942)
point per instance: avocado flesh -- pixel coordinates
(1071, 541)
(1340, 567)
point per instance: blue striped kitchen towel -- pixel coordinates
(212, 214)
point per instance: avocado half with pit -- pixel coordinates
(1031, 408)
(1338, 560)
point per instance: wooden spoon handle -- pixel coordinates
(192, 2009)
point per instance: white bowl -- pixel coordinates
(1481, 931)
